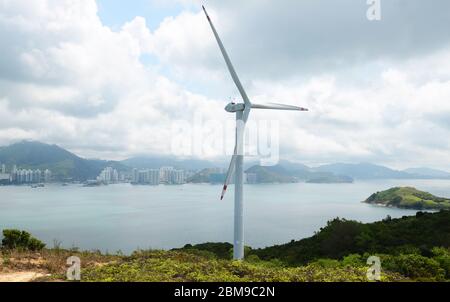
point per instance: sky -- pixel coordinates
(111, 79)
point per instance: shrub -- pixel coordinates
(415, 266)
(442, 256)
(15, 239)
(326, 263)
(354, 260)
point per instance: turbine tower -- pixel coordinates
(242, 112)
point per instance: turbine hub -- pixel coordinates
(233, 107)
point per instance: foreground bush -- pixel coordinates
(160, 266)
(414, 266)
(20, 240)
(442, 256)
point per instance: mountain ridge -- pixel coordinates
(63, 164)
(67, 165)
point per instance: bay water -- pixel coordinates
(125, 217)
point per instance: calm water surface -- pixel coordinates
(124, 217)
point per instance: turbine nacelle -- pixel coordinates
(233, 107)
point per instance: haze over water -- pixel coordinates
(124, 217)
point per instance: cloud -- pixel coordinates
(277, 40)
(377, 91)
(82, 85)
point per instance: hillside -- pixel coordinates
(285, 173)
(339, 238)
(274, 174)
(409, 198)
(210, 175)
(63, 164)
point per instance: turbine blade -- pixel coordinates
(228, 61)
(275, 106)
(230, 174)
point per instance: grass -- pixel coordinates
(178, 266)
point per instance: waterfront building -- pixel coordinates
(165, 173)
(108, 175)
(177, 177)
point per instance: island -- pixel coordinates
(409, 198)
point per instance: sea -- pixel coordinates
(125, 218)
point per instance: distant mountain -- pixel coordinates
(294, 167)
(286, 173)
(428, 173)
(364, 171)
(274, 174)
(63, 164)
(210, 175)
(66, 165)
(156, 162)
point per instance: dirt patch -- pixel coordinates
(20, 276)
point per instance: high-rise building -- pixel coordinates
(135, 176)
(154, 177)
(108, 176)
(146, 177)
(37, 176)
(29, 176)
(143, 177)
(177, 177)
(4, 177)
(47, 176)
(164, 174)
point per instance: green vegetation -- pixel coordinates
(406, 246)
(221, 250)
(153, 266)
(179, 266)
(20, 240)
(409, 198)
(415, 234)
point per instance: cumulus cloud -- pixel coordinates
(378, 91)
(68, 79)
(275, 40)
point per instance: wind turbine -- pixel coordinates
(242, 111)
